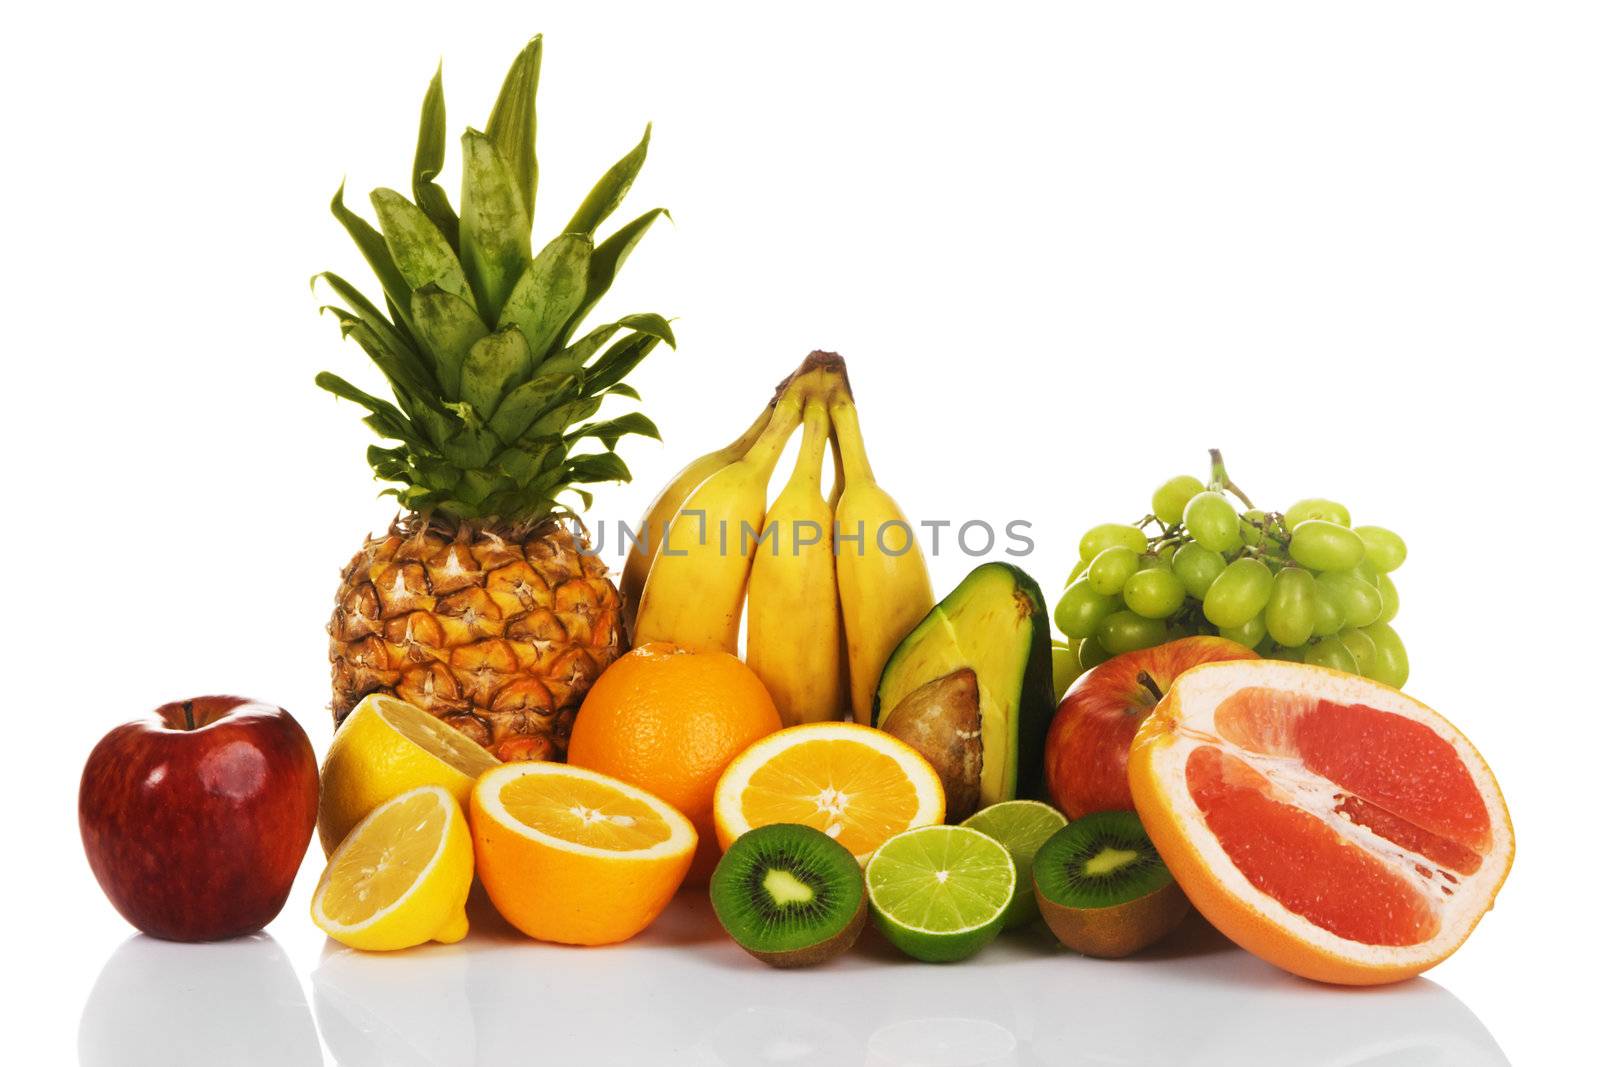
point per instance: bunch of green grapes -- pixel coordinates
(1301, 584)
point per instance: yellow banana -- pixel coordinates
(793, 637)
(834, 493)
(694, 595)
(884, 588)
(642, 553)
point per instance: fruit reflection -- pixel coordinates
(227, 1002)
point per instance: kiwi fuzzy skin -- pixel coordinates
(1117, 931)
(823, 950)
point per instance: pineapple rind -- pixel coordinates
(498, 632)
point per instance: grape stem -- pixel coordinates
(1220, 479)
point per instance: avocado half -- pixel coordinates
(970, 688)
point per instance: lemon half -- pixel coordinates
(384, 748)
(401, 877)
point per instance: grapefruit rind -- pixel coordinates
(1184, 721)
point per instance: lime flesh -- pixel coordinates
(940, 893)
(1021, 826)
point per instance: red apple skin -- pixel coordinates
(1086, 750)
(195, 821)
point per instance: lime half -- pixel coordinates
(1021, 826)
(940, 893)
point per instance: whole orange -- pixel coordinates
(670, 721)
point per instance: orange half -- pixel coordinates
(856, 784)
(576, 856)
(1331, 825)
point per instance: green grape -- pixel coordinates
(1112, 567)
(1288, 655)
(1366, 572)
(1385, 549)
(1080, 609)
(1249, 635)
(1077, 569)
(1212, 522)
(1108, 534)
(1330, 652)
(1316, 507)
(1251, 527)
(1389, 664)
(1359, 602)
(1391, 598)
(1154, 593)
(1239, 593)
(1197, 567)
(1361, 647)
(1091, 653)
(1169, 500)
(1327, 615)
(1123, 631)
(1292, 612)
(1166, 552)
(1325, 546)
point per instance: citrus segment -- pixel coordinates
(377, 869)
(856, 784)
(570, 855)
(400, 877)
(1398, 764)
(584, 813)
(813, 784)
(940, 893)
(1021, 826)
(1294, 856)
(1334, 826)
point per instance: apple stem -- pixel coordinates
(188, 714)
(1150, 684)
(1220, 479)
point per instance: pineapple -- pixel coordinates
(481, 604)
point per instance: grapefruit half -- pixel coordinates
(1327, 823)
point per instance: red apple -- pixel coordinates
(195, 821)
(1086, 750)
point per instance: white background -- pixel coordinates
(1064, 249)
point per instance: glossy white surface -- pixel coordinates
(684, 994)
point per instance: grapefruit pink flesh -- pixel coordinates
(1295, 857)
(1332, 825)
(1388, 773)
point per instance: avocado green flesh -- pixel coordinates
(994, 623)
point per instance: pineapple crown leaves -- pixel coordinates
(494, 389)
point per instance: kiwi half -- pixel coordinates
(790, 895)
(1103, 889)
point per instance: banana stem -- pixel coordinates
(745, 440)
(769, 446)
(853, 450)
(808, 465)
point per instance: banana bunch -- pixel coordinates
(832, 582)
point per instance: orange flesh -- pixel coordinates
(1388, 773)
(850, 791)
(583, 812)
